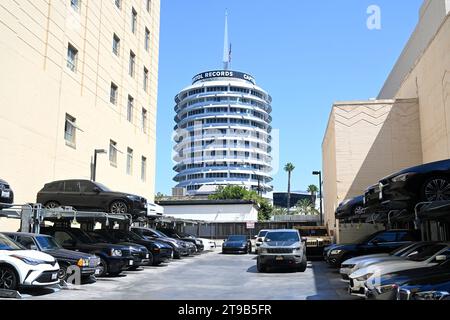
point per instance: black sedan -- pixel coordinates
(86, 262)
(179, 247)
(352, 207)
(6, 194)
(172, 233)
(237, 244)
(404, 189)
(90, 195)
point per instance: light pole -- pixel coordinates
(319, 173)
(94, 169)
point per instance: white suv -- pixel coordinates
(25, 268)
(260, 239)
(282, 248)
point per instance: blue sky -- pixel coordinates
(306, 54)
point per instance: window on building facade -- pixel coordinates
(70, 130)
(133, 20)
(113, 93)
(148, 5)
(144, 169)
(147, 39)
(145, 82)
(130, 107)
(72, 58)
(113, 153)
(144, 120)
(75, 4)
(118, 3)
(132, 65)
(129, 161)
(116, 45)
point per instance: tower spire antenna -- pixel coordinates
(226, 46)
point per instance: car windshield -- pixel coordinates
(162, 234)
(82, 236)
(97, 237)
(262, 233)
(47, 243)
(236, 238)
(403, 249)
(7, 244)
(281, 236)
(159, 233)
(102, 187)
(427, 252)
(124, 235)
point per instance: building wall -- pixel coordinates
(429, 81)
(38, 89)
(214, 213)
(365, 141)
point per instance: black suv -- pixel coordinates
(86, 262)
(90, 195)
(6, 194)
(404, 189)
(172, 233)
(179, 247)
(161, 252)
(379, 242)
(113, 258)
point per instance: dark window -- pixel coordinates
(55, 186)
(405, 236)
(72, 186)
(385, 237)
(86, 186)
(27, 242)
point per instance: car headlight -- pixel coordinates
(431, 295)
(198, 242)
(297, 249)
(349, 266)
(335, 251)
(387, 288)
(134, 198)
(364, 277)
(116, 253)
(31, 261)
(402, 177)
(83, 263)
(262, 250)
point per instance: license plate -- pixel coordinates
(279, 258)
(54, 276)
(5, 194)
(131, 262)
(147, 256)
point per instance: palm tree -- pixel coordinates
(289, 167)
(312, 189)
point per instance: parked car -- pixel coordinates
(388, 286)
(25, 268)
(86, 262)
(351, 265)
(405, 188)
(368, 277)
(90, 195)
(378, 242)
(113, 258)
(260, 239)
(430, 288)
(282, 248)
(6, 194)
(141, 256)
(317, 238)
(237, 244)
(350, 208)
(179, 247)
(160, 251)
(182, 236)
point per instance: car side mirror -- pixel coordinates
(97, 190)
(441, 258)
(304, 240)
(375, 242)
(255, 237)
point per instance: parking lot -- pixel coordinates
(210, 275)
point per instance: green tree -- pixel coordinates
(159, 196)
(233, 192)
(305, 207)
(313, 189)
(289, 167)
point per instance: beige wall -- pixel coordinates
(365, 141)
(37, 90)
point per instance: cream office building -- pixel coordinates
(408, 124)
(77, 76)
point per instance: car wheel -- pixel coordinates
(303, 264)
(150, 259)
(261, 267)
(62, 272)
(118, 207)
(8, 278)
(52, 205)
(103, 266)
(357, 210)
(436, 189)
